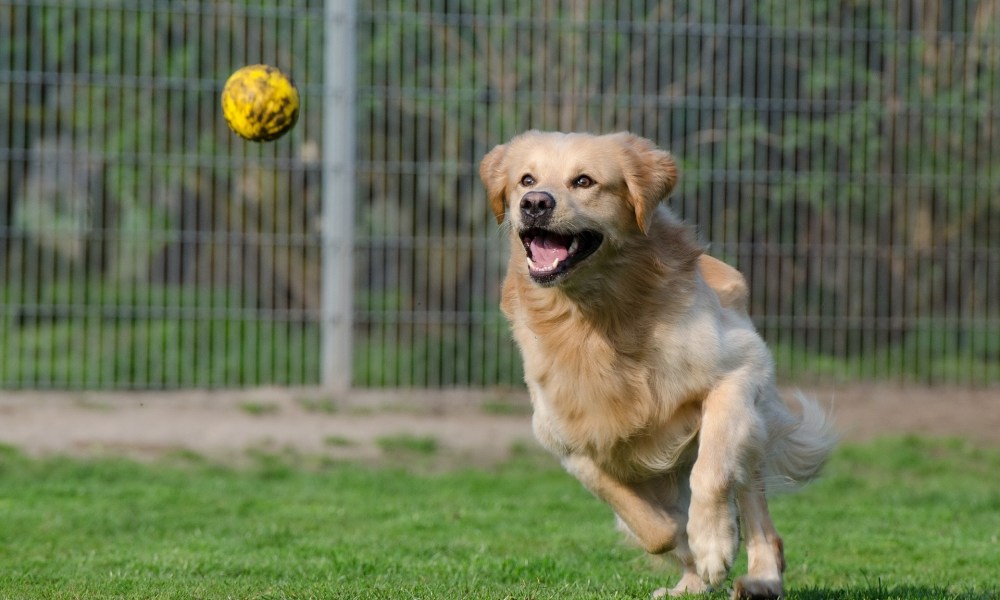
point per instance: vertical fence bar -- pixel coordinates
(338, 193)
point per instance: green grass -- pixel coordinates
(89, 334)
(338, 441)
(408, 444)
(259, 409)
(148, 337)
(930, 353)
(904, 518)
(318, 405)
(506, 408)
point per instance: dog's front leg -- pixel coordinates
(653, 527)
(765, 551)
(728, 445)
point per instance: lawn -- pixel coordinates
(901, 518)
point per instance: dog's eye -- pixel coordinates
(583, 181)
(527, 180)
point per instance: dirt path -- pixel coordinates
(475, 426)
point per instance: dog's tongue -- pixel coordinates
(547, 248)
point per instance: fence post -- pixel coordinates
(338, 193)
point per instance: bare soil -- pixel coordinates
(474, 426)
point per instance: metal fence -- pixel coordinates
(845, 156)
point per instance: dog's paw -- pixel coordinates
(713, 541)
(690, 583)
(746, 588)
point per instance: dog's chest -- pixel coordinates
(633, 405)
(632, 434)
(591, 396)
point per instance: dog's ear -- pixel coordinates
(493, 173)
(650, 175)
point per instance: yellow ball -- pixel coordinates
(260, 103)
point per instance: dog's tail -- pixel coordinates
(800, 443)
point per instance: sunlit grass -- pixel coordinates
(905, 518)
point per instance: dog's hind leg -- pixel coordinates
(652, 526)
(690, 582)
(765, 552)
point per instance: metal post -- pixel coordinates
(338, 193)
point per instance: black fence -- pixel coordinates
(844, 155)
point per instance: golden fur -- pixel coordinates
(646, 375)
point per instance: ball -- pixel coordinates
(260, 103)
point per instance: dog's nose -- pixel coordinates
(536, 206)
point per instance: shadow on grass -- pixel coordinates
(904, 592)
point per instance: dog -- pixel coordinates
(646, 375)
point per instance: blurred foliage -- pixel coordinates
(149, 337)
(841, 154)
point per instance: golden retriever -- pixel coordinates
(647, 377)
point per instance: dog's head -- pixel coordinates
(568, 195)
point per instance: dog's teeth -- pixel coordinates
(543, 268)
(573, 247)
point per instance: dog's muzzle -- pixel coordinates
(553, 255)
(537, 208)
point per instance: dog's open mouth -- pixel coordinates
(552, 255)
